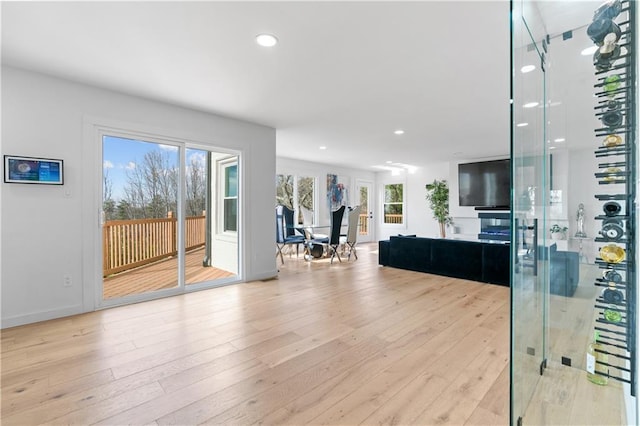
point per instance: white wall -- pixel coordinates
(418, 218)
(51, 231)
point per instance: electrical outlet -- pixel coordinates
(67, 281)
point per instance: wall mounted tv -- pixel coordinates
(33, 170)
(485, 185)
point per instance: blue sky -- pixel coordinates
(120, 155)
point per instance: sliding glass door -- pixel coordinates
(140, 190)
(169, 220)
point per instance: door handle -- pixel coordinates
(535, 247)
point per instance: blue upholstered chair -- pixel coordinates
(286, 231)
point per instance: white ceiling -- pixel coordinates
(345, 75)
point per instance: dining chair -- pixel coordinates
(351, 238)
(307, 222)
(332, 242)
(286, 231)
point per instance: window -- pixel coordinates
(306, 186)
(393, 203)
(296, 193)
(284, 190)
(230, 197)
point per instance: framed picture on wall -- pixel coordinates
(33, 170)
(337, 192)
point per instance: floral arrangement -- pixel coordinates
(558, 229)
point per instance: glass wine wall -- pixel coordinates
(614, 63)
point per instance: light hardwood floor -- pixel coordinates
(347, 343)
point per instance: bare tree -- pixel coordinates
(151, 188)
(305, 192)
(135, 196)
(284, 190)
(108, 204)
(196, 186)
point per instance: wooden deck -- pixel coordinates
(161, 275)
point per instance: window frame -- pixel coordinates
(295, 197)
(223, 166)
(383, 203)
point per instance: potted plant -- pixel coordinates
(438, 198)
(558, 232)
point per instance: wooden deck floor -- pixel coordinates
(161, 275)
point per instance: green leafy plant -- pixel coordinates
(438, 198)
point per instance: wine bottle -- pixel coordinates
(611, 208)
(597, 373)
(612, 104)
(612, 276)
(612, 118)
(612, 140)
(607, 54)
(609, 9)
(599, 29)
(612, 253)
(612, 315)
(612, 295)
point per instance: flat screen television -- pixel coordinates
(485, 184)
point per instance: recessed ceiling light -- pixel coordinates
(527, 68)
(323, 147)
(266, 40)
(530, 105)
(399, 132)
(389, 162)
(552, 147)
(589, 51)
(522, 124)
(559, 140)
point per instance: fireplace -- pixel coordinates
(495, 226)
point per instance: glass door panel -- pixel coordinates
(529, 201)
(364, 190)
(139, 217)
(211, 222)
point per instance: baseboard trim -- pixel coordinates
(40, 316)
(261, 276)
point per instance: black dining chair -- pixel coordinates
(333, 241)
(286, 231)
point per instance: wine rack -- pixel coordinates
(615, 74)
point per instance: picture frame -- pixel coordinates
(33, 170)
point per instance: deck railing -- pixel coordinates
(363, 224)
(128, 244)
(392, 218)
